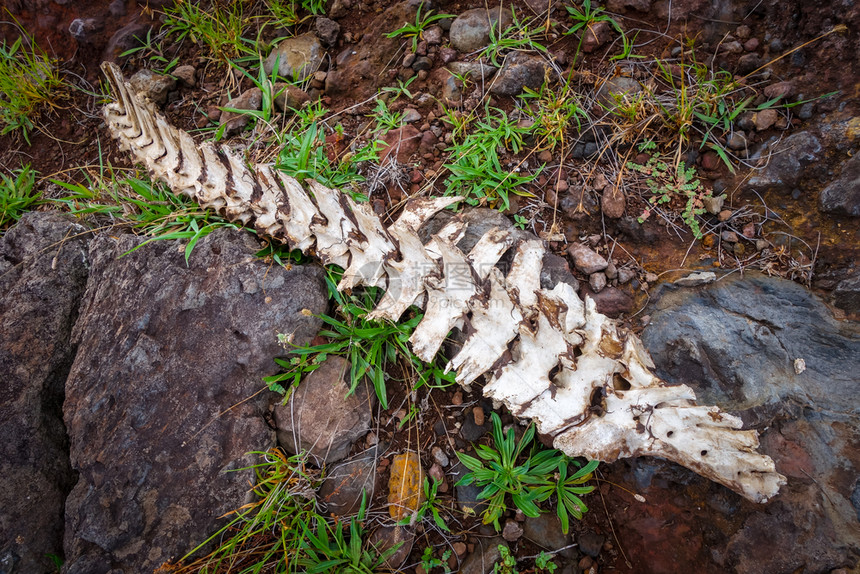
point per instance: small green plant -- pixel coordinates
(401, 89)
(554, 112)
(386, 120)
(18, 195)
(679, 187)
(327, 549)
(416, 30)
(157, 54)
(430, 504)
(477, 172)
(29, 84)
(151, 208)
(585, 18)
(288, 13)
(519, 36)
(527, 473)
(507, 563)
(544, 563)
(520, 221)
(428, 562)
(220, 28)
(368, 345)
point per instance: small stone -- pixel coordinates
(737, 141)
(651, 277)
(765, 119)
(447, 55)
(586, 562)
(327, 30)
(545, 156)
(611, 271)
(520, 70)
(597, 281)
(743, 32)
(297, 58)
(710, 161)
(478, 413)
(586, 260)
(345, 484)
(439, 456)
(85, 29)
(761, 244)
(729, 236)
(595, 35)
(713, 205)
(779, 90)
(613, 202)
(512, 531)
(409, 59)
(153, 85)
(405, 486)
(411, 115)
(433, 35)
(590, 543)
(749, 63)
(235, 121)
(459, 549)
(725, 215)
(387, 537)
(288, 97)
(435, 472)
(470, 31)
(117, 8)
(694, 279)
(733, 47)
(751, 45)
(749, 230)
(457, 398)
(561, 186)
(186, 75)
(625, 275)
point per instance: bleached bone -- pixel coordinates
(548, 355)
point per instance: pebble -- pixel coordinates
(590, 543)
(512, 531)
(749, 230)
(459, 549)
(447, 55)
(435, 472)
(765, 119)
(439, 456)
(409, 59)
(186, 76)
(714, 205)
(597, 281)
(625, 275)
(249, 100)
(478, 413)
(733, 47)
(743, 32)
(737, 141)
(411, 115)
(725, 215)
(651, 277)
(327, 30)
(433, 35)
(729, 236)
(710, 161)
(545, 156)
(586, 260)
(457, 399)
(611, 271)
(586, 562)
(422, 63)
(779, 90)
(751, 45)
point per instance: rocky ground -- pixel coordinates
(114, 462)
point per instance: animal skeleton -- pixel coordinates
(547, 355)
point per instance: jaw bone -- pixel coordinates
(548, 355)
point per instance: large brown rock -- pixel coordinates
(43, 273)
(161, 401)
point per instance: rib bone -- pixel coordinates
(547, 354)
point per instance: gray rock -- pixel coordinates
(157, 400)
(714, 204)
(590, 542)
(346, 482)
(735, 343)
(471, 431)
(451, 89)
(842, 196)
(467, 494)
(520, 70)
(512, 531)
(597, 281)
(846, 296)
(486, 554)
(477, 71)
(470, 31)
(152, 85)
(585, 259)
(794, 160)
(328, 30)
(617, 89)
(545, 531)
(186, 75)
(555, 270)
(610, 301)
(696, 279)
(737, 141)
(298, 58)
(235, 121)
(613, 202)
(440, 457)
(422, 63)
(411, 115)
(320, 418)
(85, 29)
(765, 119)
(43, 274)
(433, 35)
